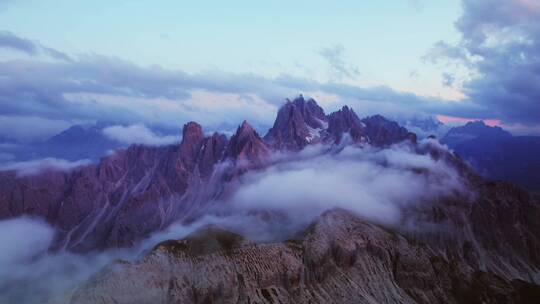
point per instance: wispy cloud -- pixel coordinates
(11, 41)
(339, 68)
(500, 47)
(33, 167)
(354, 179)
(89, 88)
(138, 134)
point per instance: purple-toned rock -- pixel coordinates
(297, 125)
(345, 121)
(383, 132)
(212, 152)
(247, 148)
(192, 140)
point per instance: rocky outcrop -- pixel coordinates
(480, 245)
(300, 123)
(297, 125)
(247, 148)
(345, 121)
(383, 132)
(125, 196)
(340, 258)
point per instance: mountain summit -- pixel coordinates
(477, 241)
(298, 124)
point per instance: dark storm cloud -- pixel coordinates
(501, 45)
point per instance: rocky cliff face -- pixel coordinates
(122, 198)
(340, 258)
(298, 124)
(479, 246)
(143, 189)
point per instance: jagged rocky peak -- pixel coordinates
(384, 132)
(211, 152)
(247, 145)
(192, 139)
(311, 112)
(297, 124)
(192, 134)
(345, 121)
(474, 130)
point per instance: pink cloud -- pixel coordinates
(462, 120)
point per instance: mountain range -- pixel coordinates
(73, 144)
(496, 154)
(470, 241)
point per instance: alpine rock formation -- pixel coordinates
(479, 243)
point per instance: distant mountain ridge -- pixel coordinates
(75, 143)
(482, 243)
(496, 154)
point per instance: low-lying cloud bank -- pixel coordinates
(30, 274)
(268, 205)
(375, 184)
(138, 134)
(33, 167)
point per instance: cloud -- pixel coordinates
(273, 204)
(355, 179)
(5, 4)
(38, 237)
(138, 134)
(500, 46)
(5, 156)
(11, 41)
(448, 79)
(89, 88)
(31, 273)
(417, 5)
(339, 69)
(33, 167)
(30, 128)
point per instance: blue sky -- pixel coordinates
(383, 40)
(162, 63)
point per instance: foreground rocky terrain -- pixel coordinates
(340, 258)
(476, 243)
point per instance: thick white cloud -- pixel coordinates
(376, 184)
(138, 134)
(29, 274)
(22, 239)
